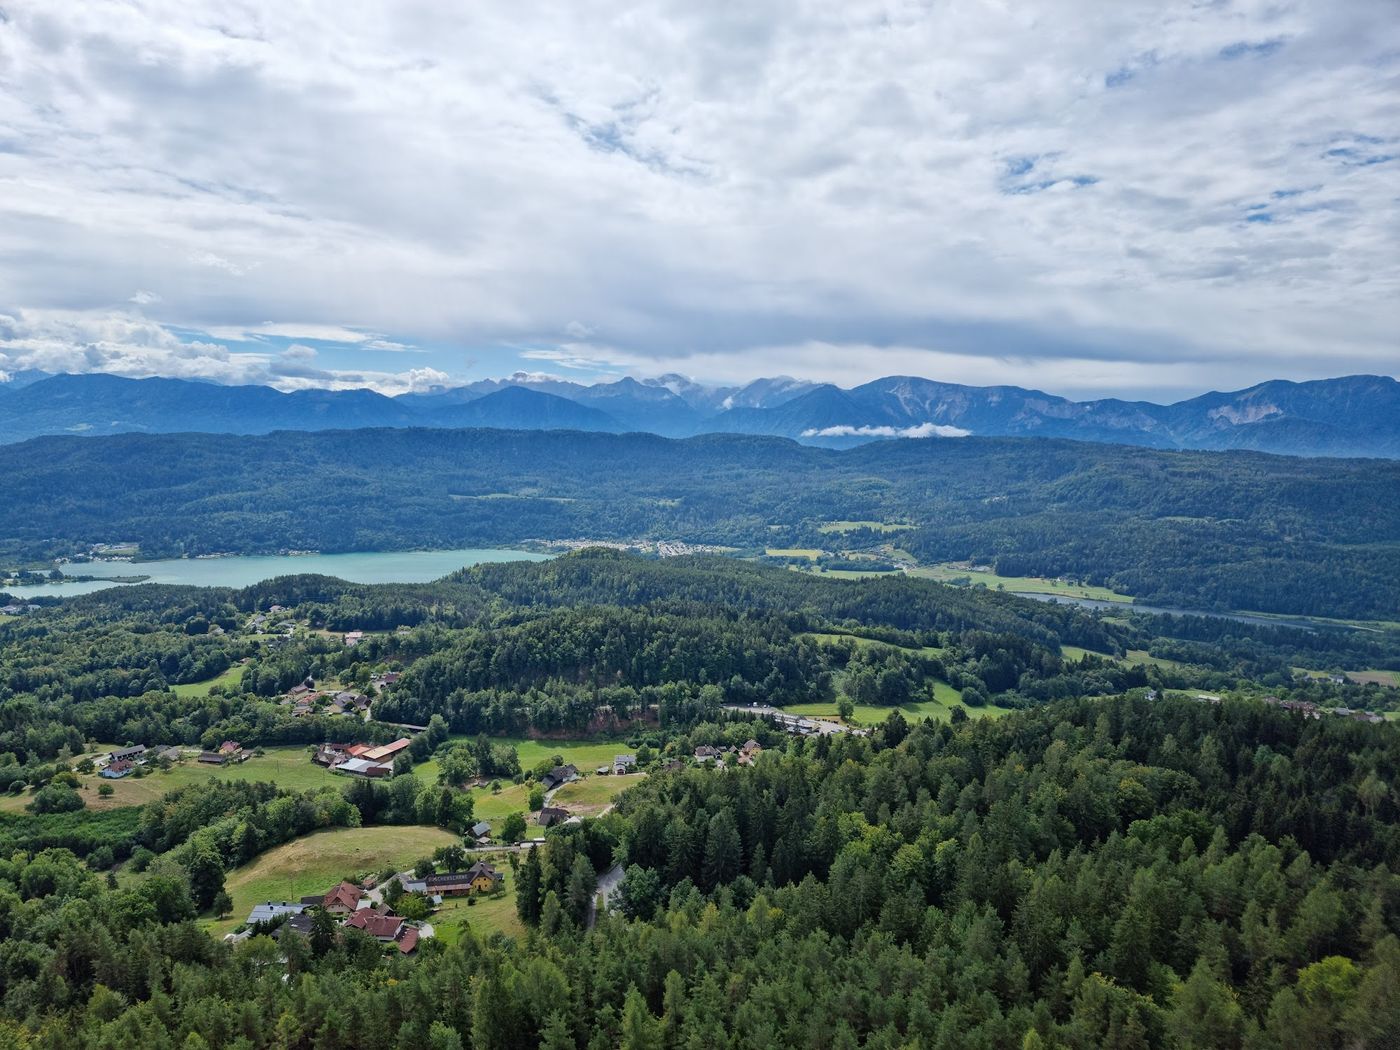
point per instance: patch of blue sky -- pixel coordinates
(1352, 157)
(1245, 49)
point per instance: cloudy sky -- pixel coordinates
(1141, 198)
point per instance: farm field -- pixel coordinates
(873, 643)
(232, 677)
(1141, 656)
(316, 862)
(869, 714)
(496, 806)
(852, 526)
(852, 574)
(810, 553)
(590, 796)
(287, 767)
(1390, 678)
(1030, 584)
(1133, 657)
(586, 754)
(494, 914)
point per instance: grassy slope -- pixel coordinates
(316, 862)
(1027, 584)
(872, 643)
(868, 714)
(232, 677)
(287, 767)
(488, 915)
(852, 526)
(496, 806)
(592, 795)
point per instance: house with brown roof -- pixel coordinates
(386, 752)
(378, 925)
(342, 899)
(408, 940)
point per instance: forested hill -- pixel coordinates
(1198, 529)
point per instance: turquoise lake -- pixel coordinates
(241, 570)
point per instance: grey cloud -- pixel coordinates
(718, 184)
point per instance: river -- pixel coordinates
(243, 570)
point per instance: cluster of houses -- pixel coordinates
(361, 760)
(742, 756)
(272, 622)
(1306, 708)
(12, 610)
(351, 905)
(305, 698)
(227, 752)
(123, 761)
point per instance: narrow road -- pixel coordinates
(608, 883)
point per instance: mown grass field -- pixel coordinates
(852, 526)
(586, 754)
(810, 553)
(191, 690)
(287, 767)
(1375, 677)
(494, 914)
(316, 862)
(873, 643)
(1028, 584)
(496, 806)
(1133, 657)
(592, 795)
(940, 709)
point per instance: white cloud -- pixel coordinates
(218, 262)
(143, 298)
(922, 430)
(1100, 194)
(134, 346)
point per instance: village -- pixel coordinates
(369, 907)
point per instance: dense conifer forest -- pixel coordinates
(1136, 853)
(1197, 530)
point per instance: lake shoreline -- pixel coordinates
(245, 570)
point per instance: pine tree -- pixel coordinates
(1204, 1013)
(640, 1031)
(723, 850)
(527, 888)
(556, 1034)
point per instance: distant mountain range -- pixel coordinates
(1349, 416)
